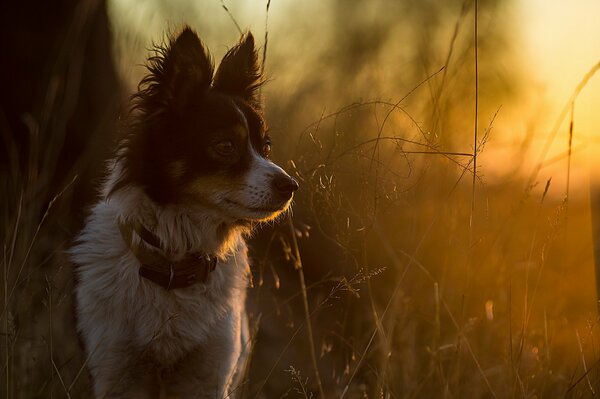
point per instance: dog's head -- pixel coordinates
(199, 138)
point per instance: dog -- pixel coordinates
(161, 265)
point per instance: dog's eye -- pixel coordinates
(225, 147)
(267, 148)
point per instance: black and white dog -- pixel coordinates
(161, 264)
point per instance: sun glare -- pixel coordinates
(561, 46)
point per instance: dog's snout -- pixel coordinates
(285, 185)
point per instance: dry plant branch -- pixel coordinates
(436, 109)
(301, 384)
(33, 241)
(311, 340)
(264, 57)
(476, 121)
(231, 17)
(353, 106)
(569, 151)
(584, 363)
(343, 284)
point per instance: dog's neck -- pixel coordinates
(181, 229)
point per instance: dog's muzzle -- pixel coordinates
(284, 186)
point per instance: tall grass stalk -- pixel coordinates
(476, 116)
(237, 26)
(309, 329)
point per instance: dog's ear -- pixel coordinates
(187, 66)
(239, 73)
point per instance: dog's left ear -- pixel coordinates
(239, 72)
(187, 66)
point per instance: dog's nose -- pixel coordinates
(285, 185)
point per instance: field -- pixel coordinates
(441, 244)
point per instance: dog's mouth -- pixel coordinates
(263, 211)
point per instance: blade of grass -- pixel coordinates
(232, 17)
(311, 340)
(475, 122)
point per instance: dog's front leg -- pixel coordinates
(208, 371)
(120, 372)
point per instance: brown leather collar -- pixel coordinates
(158, 268)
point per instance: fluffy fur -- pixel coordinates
(194, 170)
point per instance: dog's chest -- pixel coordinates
(118, 308)
(172, 323)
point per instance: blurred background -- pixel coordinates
(442, 242)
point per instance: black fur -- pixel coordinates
(180, 113)
(239, 73)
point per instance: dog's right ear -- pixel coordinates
(187, 65)
(239, 73)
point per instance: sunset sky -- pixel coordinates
(562, 42)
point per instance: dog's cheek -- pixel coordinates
(209, 190)
(201, 187)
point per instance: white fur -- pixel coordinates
(255, 194)
(140, 339)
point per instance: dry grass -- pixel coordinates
(398, 276)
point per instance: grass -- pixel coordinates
(395, 278)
